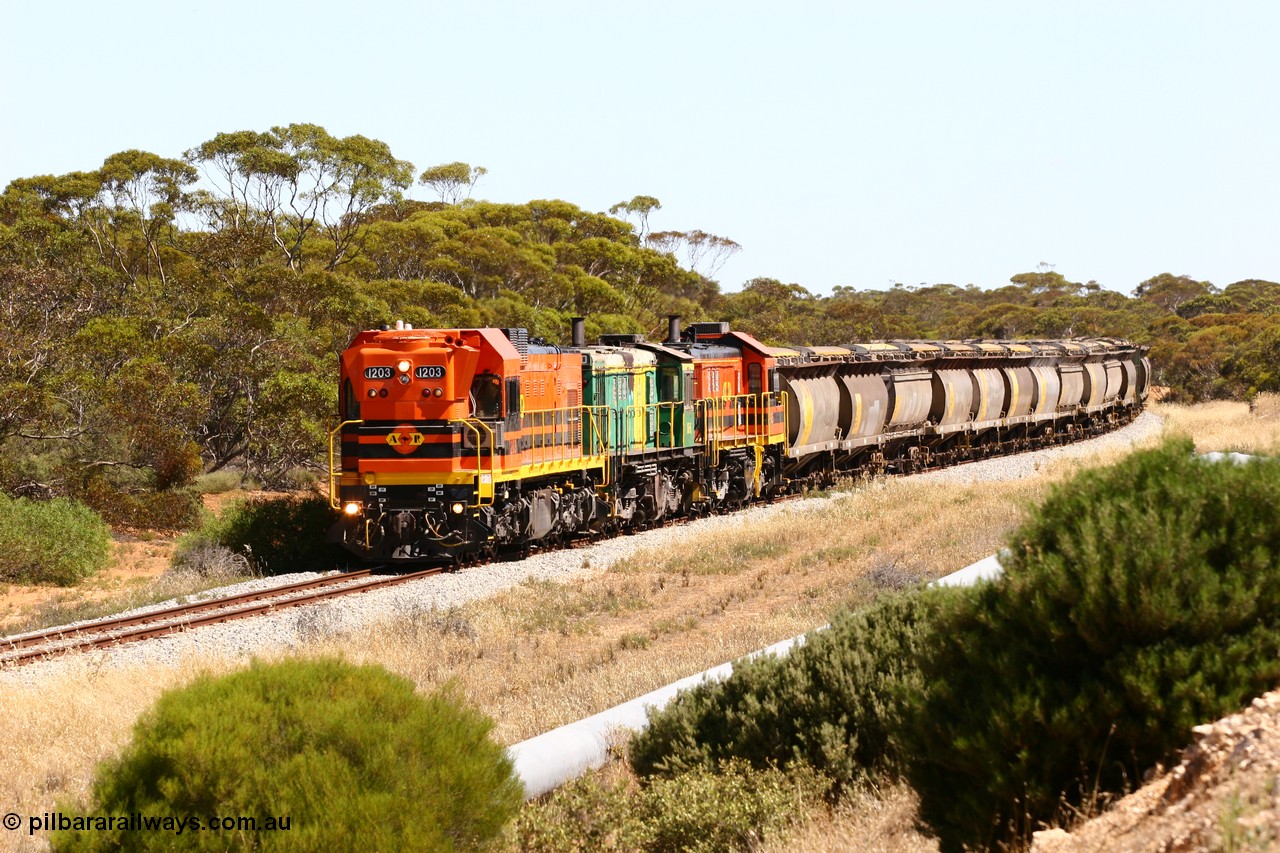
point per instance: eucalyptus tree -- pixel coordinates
(641, 207)
(142, 194)
(298, 182)
(701, 249)
(450, 180)
(127, 207)
(1171, 291)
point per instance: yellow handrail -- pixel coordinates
(628, 417)
(475, 426)
(569, 428)
(749, 412)
(786, 416)
(335, 470)
(750, 416)
(599, 417)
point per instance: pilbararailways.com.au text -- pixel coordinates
(138, 822)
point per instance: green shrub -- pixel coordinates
(50, 542)
(732, 807)
(584, 814)
(1138, 601)
(834, 703)
(174, 509)
(351, 756)
(279, 535)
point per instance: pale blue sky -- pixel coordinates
(853, 143)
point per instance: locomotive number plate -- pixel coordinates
(379, 372)
(429, 371)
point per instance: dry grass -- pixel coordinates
(1228, 427)
(544, 654)
(869, 821)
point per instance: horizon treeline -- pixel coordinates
(163, 317)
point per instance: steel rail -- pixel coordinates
(98, 626)
(171, 620)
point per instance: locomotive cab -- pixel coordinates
(421, 412)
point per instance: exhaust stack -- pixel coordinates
(673, 328)
(579, 332)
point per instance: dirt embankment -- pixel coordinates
(1224, 794)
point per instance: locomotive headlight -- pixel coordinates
(458, 507)
(404, 379)
(437, 392)
(352, 508)
(404, 365)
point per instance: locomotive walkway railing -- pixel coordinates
(641, 426)
(739, 421)
(569, 436)
(558, 434)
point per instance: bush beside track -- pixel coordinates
(275, 534)
(349, 754)
(1139, 600)
(50, 542)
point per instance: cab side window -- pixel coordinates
(486, 397)
(514, 404)
(669, 389)
(350, 404)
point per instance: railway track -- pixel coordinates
(29, 648)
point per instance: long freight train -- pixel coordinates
(457, 444)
